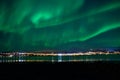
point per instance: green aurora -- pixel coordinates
(35, 25)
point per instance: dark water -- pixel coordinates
(98, 57)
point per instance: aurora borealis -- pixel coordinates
(33, 25)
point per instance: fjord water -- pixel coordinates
(98, 57)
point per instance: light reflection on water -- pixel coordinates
(60, 58)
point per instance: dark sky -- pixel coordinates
(35, 25)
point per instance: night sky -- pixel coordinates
(36, 25)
